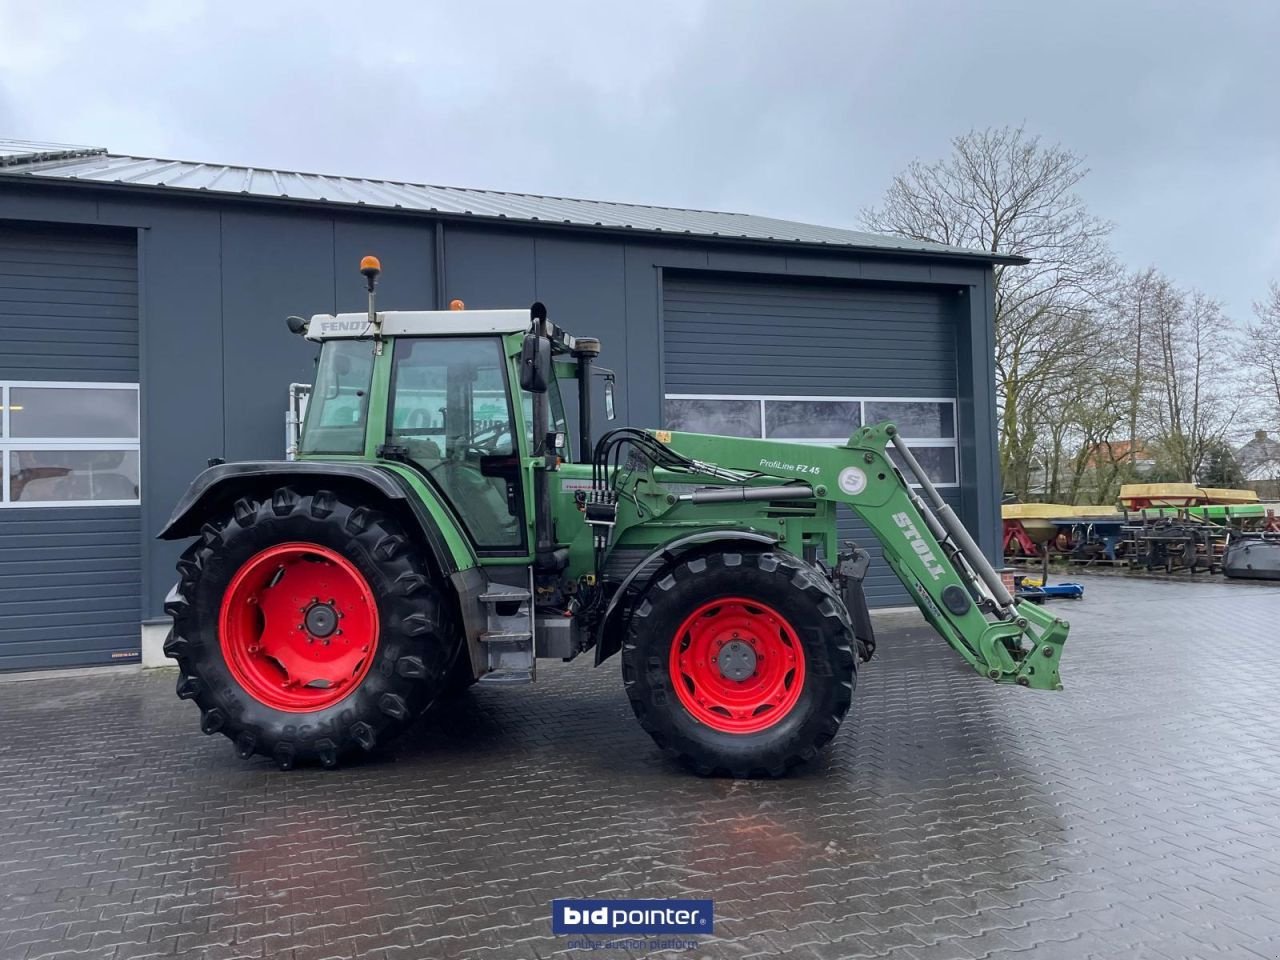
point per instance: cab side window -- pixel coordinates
(450, 410)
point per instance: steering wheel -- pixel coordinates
(486, 441)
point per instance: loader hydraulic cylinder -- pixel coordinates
(799, 491)
(952, 527)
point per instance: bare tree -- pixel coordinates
(1190, 401)
(1004, 191)
(1087, 462)
(1073, 418)
(1134, 302)
(1260, 356)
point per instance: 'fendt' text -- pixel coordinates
(343, 326)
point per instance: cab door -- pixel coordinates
(450, 410)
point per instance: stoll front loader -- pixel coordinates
(434, 533)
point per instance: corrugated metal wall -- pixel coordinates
(69, 576)
(68, 304)
(731, 335)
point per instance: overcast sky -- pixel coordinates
(794, 109)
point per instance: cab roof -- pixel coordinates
(418, 323)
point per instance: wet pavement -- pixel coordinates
(1136, 814)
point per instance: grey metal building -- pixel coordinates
(141, 323)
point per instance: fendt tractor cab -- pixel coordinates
(442, 526)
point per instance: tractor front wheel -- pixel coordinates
(307, 627)
(740, 663)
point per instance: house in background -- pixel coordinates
(1259, 461)
(1105, 465)
(1113, 453)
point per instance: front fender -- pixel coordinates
(608, 637)
(219, 486)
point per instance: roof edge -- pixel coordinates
(14, 174)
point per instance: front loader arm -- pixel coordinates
(952, 583)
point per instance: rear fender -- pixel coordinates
(609, 632)
(214, 490)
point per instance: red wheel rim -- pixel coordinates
(298, 627)
(737, 665)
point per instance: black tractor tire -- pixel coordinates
(416, 638)
(800, 595)
(458, 677)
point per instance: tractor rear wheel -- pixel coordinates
(458, 677)
(307, 627)
(740, 663)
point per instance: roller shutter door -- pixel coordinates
(70, 530)
(837, 348)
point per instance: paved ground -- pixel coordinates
(1134, 815)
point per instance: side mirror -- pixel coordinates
(608, 400)
(297, 325)
(535, 364)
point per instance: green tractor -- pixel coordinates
(435, 531)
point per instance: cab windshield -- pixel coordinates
(338, 408)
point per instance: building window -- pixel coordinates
(928, 424)
(69, 444)
(724, 416)
(815, 421)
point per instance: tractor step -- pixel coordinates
(508, 635)
(517, 637)
(502, 593)
(499, 677)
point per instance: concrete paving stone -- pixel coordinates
(1180, 947)
(137, 951)
(50, 946)
(957, 948)
(864, 949)
(1256, 926)
(308, 952)
(1267, 949)
(226, 951)
(981, 923)
(939, 931)
(1071, 949)
(1131, 815)
(1141, 952)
